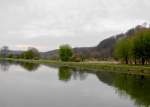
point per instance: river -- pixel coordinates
(35, 85)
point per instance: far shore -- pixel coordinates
(95, 66)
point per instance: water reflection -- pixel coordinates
(137, 87)
(5, 65)
(66, 73)
(78, 74)
(29, 66)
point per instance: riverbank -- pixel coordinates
(95, 66)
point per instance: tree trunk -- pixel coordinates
(135, 61)
(143, 61)
(126, 60)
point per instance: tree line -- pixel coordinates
(65, 54)
(134, 49)
(31, 53)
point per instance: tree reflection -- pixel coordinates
(77, 74)
(4, 65)
(29, 66)
(137, 87)
(64, 73)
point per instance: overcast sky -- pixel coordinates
(45, 24)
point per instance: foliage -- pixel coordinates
(122, 50)
(65, 52)
(10, 56)
(135, 48)
(31, 53)
(141, 46)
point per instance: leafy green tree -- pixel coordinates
(31, 53)
(122, 50)
(141, 45)
(28, 54)
(135, 48)
(65, 52)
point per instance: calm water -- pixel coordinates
(32, 85)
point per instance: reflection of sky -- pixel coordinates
(43, 88)
(46, 24)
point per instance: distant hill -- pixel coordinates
(103, 50)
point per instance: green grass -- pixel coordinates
(120, 68)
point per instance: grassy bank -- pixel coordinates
(95, 66)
